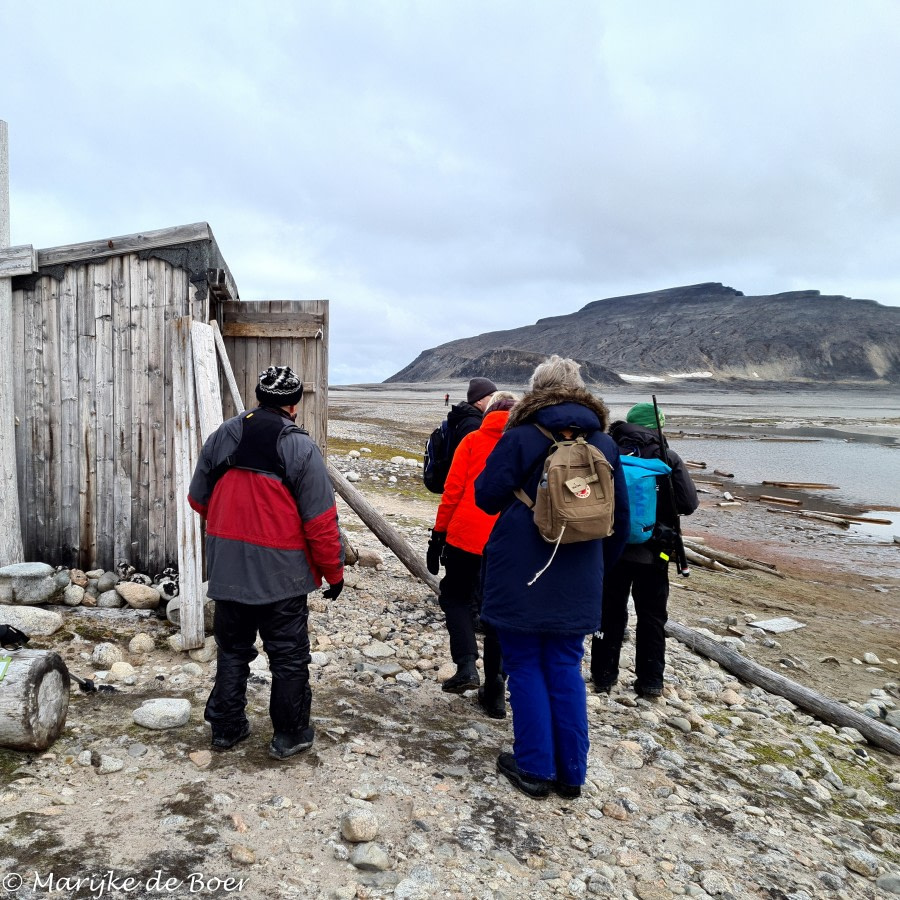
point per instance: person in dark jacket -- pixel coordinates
(641, 571)
(461, 530)
(542, 624)
(464, 418)
(271, 535)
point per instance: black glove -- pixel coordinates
(435, 549)
(334, 590)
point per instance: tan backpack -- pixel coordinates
(575, 497)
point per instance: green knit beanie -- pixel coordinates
(643, 414)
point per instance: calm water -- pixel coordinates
(852, 439)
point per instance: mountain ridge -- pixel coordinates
(793, 337)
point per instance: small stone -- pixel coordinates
(862, 862)
(195, 670)
(107, 581)
(105, 655)
(370, 858)
(680, 723)
(121, 670)
(731, 698)
(614, 810)
(369, 559)
(359, 825)
(628, 755)
(73, 595)
(378, 650)
(141, 643)
(206, 653)
(889, 883)
(871, 659)
(201, 758)
(138, 596)
(137, 750)
(163, 713)
(110, 600)
(110, 764)
(243, 855)
(715, 883)
(78, 577)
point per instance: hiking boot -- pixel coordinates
(493, 702)
(603, 686)
(465, 679)
(651, 690)
(289, 743)
(568, 791)
(226, 738)
(538, 788)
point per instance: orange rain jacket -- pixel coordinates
(466, 526)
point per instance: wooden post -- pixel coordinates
(381, 529)
(813, 702)
(10, 525)
(34, 700)
(186, 453)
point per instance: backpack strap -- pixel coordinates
(519, 492)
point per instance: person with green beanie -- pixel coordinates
(640, 571)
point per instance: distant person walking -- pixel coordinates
(641, 571)
(446, 399)
(461, 530)
(271, 535)
(542, 623)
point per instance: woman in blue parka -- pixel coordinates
(542, 625)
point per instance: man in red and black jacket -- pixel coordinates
(271, 536)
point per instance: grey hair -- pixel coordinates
(556, 372)
(501, 400)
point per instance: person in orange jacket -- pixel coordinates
(460, 532)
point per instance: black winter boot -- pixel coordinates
(492, 697)
(465, 679)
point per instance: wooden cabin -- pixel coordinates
(93, 343)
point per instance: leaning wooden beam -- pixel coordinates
(381, 529)
(190, 576)
(226, 367)
(828, 710)
(206, 379)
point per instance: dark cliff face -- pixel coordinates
(795, 337)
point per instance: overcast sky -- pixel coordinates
(441, 169)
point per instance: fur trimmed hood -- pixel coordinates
(528, 407)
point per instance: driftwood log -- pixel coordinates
(381, 529)
(730, 559)
(34, 699)
(813, 702)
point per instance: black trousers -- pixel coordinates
(283, 627)
(460, 601)
(648, 584)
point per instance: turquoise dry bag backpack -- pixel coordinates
(640, 479)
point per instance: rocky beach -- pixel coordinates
(719, 789)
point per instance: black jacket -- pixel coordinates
(462, 419)
(635, 440)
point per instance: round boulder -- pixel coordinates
(163, 713)
(138, 596)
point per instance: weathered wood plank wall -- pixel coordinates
(93, 398)
(299, 339)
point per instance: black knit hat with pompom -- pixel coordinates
(279, 386)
